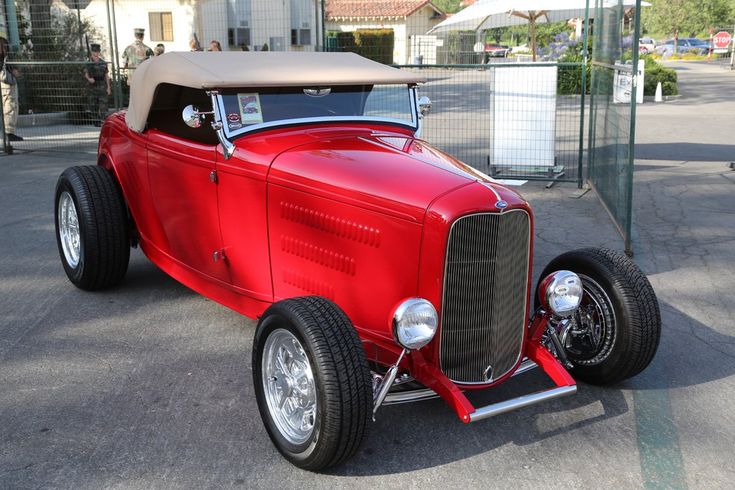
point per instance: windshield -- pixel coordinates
(250, 109)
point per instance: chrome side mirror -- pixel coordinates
(192, 117)
(424, 105)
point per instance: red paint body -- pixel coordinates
(357, 213)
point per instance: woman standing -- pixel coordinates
(9, 85)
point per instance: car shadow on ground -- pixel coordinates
(428, 434)
(132, 398)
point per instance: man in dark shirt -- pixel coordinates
(98, 77)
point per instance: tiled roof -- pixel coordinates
(373, 9)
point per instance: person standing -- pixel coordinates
(9, 88)
(215, 46)
(136, 53)
(98, 77)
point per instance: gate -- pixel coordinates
(612, 110)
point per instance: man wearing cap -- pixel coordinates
(98, 78)
(136, 53)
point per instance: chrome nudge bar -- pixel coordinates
(433, 378)
(520, 402)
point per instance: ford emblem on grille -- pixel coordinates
(501, 204)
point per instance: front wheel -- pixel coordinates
(616, 330)
(312, 382)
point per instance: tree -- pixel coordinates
(448, 6)
(681, 17)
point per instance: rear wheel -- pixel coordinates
(616, 330)
(312, 382)
(91, 227)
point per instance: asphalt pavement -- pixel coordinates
(149, 385)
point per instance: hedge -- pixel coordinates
(375, 44)
(656, 72)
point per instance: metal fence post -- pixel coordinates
(113, 64)
(585, 59)
(12, 21)
(631, 137)
(324, 28)
(6, 145)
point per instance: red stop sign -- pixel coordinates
(721, 39)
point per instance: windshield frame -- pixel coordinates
(414, 125)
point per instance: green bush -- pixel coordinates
(569, 78)
(374, 44)
(655, 73)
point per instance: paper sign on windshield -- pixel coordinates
(250, 112)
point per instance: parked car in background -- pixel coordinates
(493, 50)
(685, 45)
(294, 189)
(646, 45)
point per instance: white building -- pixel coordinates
(410, 20)
(285, 25)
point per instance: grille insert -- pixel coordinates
(484, 307)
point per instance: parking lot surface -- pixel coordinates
(149, 385)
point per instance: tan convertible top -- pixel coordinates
(231, 69)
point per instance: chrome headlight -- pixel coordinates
(561, 292)
(414, 323)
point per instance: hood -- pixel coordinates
(390, 173)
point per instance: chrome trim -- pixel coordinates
(398, 316)
(489, 186)
(409, 396)
(526, 365)
(610, 342)
(289, 387)
(69, 234)
(520, 402)
(415, 110)
(193, 117)
(227, 147)
(523, 325)
(386, 383)
(421, 394)
(414, 124)
(424, 106)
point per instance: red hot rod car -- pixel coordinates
(293, 188)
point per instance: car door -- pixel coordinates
(243, 216)
(184, 194)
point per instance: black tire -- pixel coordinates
(102, 256)
(341, 378)
(620, 305)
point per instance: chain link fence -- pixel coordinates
(613, 94)
(491, 107)
(509, 120)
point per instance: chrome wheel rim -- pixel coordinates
(69, 229)
(591, 336)
(288, 383)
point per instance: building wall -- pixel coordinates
(208, 19)
(211, 22)
(130, 15)
(398, 27)
(418, 23)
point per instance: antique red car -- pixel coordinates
(293, 188)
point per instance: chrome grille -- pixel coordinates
(484, 307)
